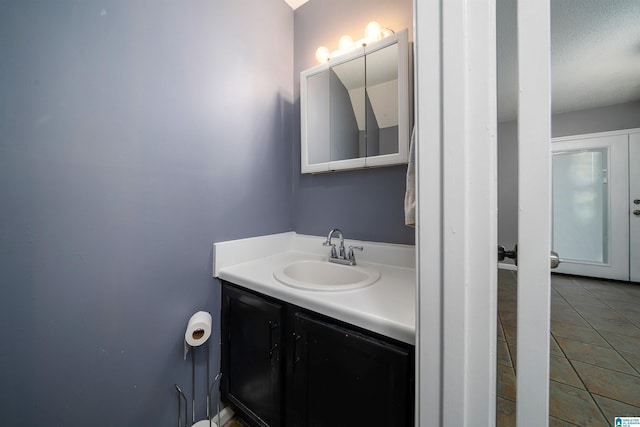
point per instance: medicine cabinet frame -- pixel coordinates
(320, 133)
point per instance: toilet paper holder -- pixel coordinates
(182, 397)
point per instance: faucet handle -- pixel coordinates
(351, 255)
(334, 253)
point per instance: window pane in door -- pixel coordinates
(580, 205)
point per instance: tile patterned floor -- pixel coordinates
(594, 346)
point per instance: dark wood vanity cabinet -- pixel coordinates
(320, 372)
(252, 366)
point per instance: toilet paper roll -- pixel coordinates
(198, 330)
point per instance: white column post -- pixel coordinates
(534, 213)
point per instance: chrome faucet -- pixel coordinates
(340, 256)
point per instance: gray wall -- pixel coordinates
(133, 135)
(364, 204)
(614, 117)
(508, 184)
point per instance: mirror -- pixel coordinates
(355, 110)
(347, 119)
(382, 104)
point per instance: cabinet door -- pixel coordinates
(251, 363)
(344, 378)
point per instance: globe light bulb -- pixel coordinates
(345, 44)
(386, 32)
(323, 54)
(372, 31)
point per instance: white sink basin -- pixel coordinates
(326, 276)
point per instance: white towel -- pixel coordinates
(410, 193)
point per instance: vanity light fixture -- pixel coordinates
(372, 32)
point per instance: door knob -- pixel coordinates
(554, 258)
(636, 212)
(636, 202)
(503, 253)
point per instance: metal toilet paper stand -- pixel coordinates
(182, 397)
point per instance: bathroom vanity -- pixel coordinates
(297, 357)
(284, 365)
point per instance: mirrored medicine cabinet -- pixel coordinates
(356, 108)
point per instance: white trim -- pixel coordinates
(507, 266)
(595, 135)
(634, 221)
(457, 217)
(534, 212)
(427, 65)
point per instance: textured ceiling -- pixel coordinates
(595, 54)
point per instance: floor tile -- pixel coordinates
(631, 315)
(587, 281)
(602, 285)
(623, 343)
(568, 289)
(584, 305)
(559, 304)
(573, 405)
(559, 281)
(631, 306)
(504, 358)
(605, 382)
(560, 370)
(594, 344)
(505, 413)
(510, 306)
(613, 408)
(500, 330)
(595, 355)
(554, 348)
(583, 334)
(614, 298)
(555, 422)
(508, 316)
(581, 296)
(630, 309)
(506, 385)
(622, 327)
(510, 332)
(633, 359)
(513, 352)
(569, 316)
(601, 312)
(507, 277)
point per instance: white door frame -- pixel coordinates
(457, 212)
(634, 194)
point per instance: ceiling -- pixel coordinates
(595, 54)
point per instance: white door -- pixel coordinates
(634, 207)
(590, 214)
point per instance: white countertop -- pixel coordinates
(386, 307)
